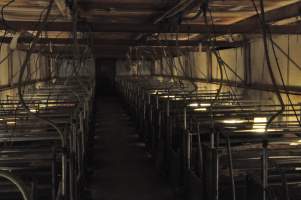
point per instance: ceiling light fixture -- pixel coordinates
(233, 121)
(260, 124)
(11, 123)
(193, 105)
(200, 109)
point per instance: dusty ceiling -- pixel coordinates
(118, 24)
(139, 11)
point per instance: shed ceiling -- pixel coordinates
(143, 13)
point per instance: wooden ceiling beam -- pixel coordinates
(102, 42)
(106, 48)
(151, 28)
(124, 5)
(113, 52)
(142, 49)
(284, 12)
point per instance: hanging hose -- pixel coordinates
(25, 106)
(218, 58)
(278, 94)
(268, 61)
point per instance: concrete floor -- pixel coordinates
(123, 170)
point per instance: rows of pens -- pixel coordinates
(214, 144)
(43, 140)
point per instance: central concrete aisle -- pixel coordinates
(123, 169)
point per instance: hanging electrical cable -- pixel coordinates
(20, 91)
(268, 62)
(184, 71)
(273, 44)
(6, 29)
(284, 86)
(213, 49)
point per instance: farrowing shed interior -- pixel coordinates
(150, 99)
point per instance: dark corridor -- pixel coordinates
(105, 77)
(122, 167)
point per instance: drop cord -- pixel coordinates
(20, 93)
(215, 53)
(272, 76)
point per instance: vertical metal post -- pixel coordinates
(200, 152)
(159, 123)
(285, 188)
(64, 174)
(33, 190)
(264, 170)
(64, 168)
(167, 108)
(151, 114)
(82, 132)
(185, 137)
(71, 161)
(54, 175)
(217, 174)
(157, 101)
(185, 120)
(167, 123)
(231, 168)
(144, 110)
(81, 122)
(212, 138)
(188, 149)
(137, 106)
